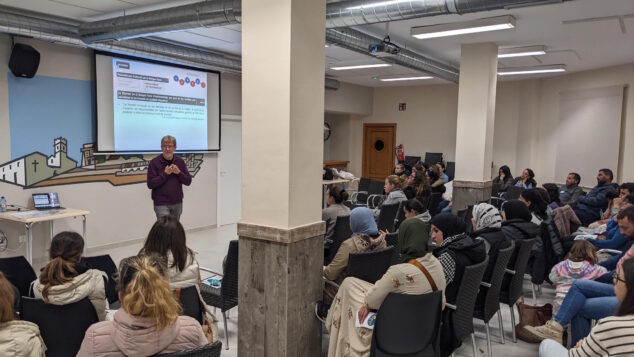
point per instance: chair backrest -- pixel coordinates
(450, 169)
(466, 299)
(229, 286)
(523, 248)
(106, 265)
(434, 201)
(210, 350)
(432, 158)
(407, 325)
(400, 217)
(462, 213)
(342, 231)
(190, 303)
(495, 189)
(387, 216)
(391, 239)
(370, 266)
(492, 297)
(513, 193)
(376, 187)
(364, 184)
(62, 326)
(411, 160)
(19, 272)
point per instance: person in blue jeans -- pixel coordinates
(586, 300)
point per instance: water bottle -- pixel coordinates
(3, 204)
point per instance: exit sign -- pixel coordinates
(402, 107)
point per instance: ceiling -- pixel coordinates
(582, 34)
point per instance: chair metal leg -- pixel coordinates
(534, 293)
(486, 325)
(501, 326)
(224, 319)
(473, 344)
(539, 289)
(513, 323)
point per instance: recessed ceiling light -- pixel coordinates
(377, 4)
(375, 65)
(521, 51)
(462, 28)
(531, 70)
(394, 79)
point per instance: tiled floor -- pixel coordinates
(212, 244)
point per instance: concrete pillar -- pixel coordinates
(281, 233)
(474, 130)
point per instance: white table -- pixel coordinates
(30, 217)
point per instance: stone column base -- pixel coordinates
(467, 193)
(279, 282)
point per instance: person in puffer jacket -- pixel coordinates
(393, 190)
(147, 322)
(589, 207)
(64, 280)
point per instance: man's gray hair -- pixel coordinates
(168, 138)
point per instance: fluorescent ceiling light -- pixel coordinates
(531, 70)
(521, 51)
(404, 79)
(343, 68)
(461, 28)
(377, 4)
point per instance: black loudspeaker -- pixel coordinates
(24, 60)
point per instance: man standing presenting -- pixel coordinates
(569, 194)
(166, 176)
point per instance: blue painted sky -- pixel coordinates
(43, 108)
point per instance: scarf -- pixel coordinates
(413, 237)
(486, 216)
(362, 222)
(449, 224)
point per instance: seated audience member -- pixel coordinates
(614, 203)
(436, 183)
(586, 299)
(487, 225)
(64, 280)
(504, 178)
(147, 322)
(393, 191)
(611, 336)
(553, 195)
(581, 263)
(400, 170)
(612, 238)
(570, 192)
(527, 180)
(417, 187)
(365, 237)
(536, 205)
(589, 207)
(441, 171)
(414, 209)
(358, 297)
(335, 196)
(17, 338)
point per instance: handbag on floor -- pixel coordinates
(532, 316)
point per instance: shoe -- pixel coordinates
(321, 311)
(552, 330)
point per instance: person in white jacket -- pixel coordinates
(64, 280)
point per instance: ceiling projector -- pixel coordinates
(384, 49)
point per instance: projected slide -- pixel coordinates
(151, 100)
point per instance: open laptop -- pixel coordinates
(45, 201)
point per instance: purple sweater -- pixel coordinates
(167, 189)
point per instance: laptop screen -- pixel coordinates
(45, 200)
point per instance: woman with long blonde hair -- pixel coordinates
(148, 321)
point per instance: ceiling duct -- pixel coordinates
(332, 84)
(358, 41)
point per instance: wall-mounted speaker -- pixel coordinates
(24, 60)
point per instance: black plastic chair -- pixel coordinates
(491, 304)
(210, 350)
(450, 169)
(191, 304)
(408, 325)
(391, 239)
(387, 217)
(465, 302)
(226, 297)
(19, 272)
(370, 266)
(513, 193)
(512, 289)
(400, 217)
(376, 187)
(62, 326)
(361, 196)
(432, 158)
(106, 265)
(434, 201)
(341, 233)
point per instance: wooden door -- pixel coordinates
(379, 141)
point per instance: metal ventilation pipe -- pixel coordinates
(358, 41)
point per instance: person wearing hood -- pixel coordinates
(17, 338)
(147, 322)
(487, 225)
(64, 280)
(414, 209)
(365, 237)
(393, 190)
(358, 297)
(589, 207)
(504, 178)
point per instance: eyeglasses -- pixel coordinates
(616, 279)
(167, 146)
